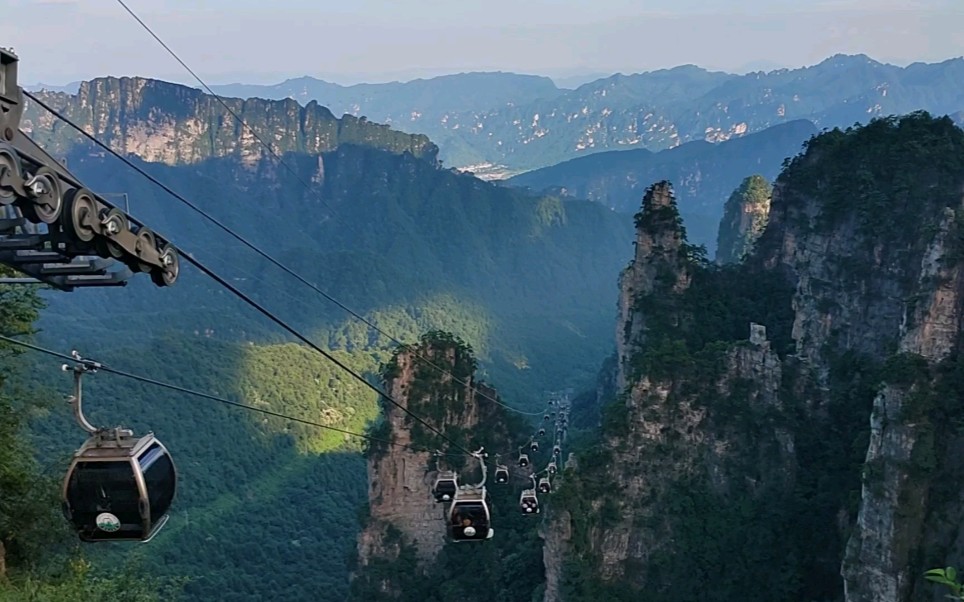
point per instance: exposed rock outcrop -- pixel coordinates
(174, 124)
(895, 496)
(401, 478)
(405, 526)
(744, 219)
(661, 254)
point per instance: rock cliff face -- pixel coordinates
(404, 543)
(745, 217)
(400, 477)
(660, 255)
(174, 124)
(822, 447)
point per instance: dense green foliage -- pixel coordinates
(36, 565)
(259, 498)
(527, 281)
(744, 218)
(853, 177)
(268, 509)
(902, 163)
(706, 174)
(433, 395)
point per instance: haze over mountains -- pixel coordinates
(704, 173)
(530, 122)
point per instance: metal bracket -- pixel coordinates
(54, 212)
(83, 366)
(480, 455)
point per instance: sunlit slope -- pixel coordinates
(253, 491)
(393, 237)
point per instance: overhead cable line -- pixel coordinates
(238, 293)
(301, 180)
(209, 396)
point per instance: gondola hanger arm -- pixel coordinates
(81, 367)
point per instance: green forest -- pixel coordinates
(266, 508)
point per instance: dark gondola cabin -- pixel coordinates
(469, 517)
(535, 446)
(446, 484)
(529, 502)
(119, 488)
(523, 460)
(544, 485)
(501, 474)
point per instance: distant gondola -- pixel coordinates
(446, 485)
(529, 502)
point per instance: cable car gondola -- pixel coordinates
(118, 487)
(529, 502)
(544, 485)
(556, 450)
(501, 474)
(535, 446)
(542, 432)
(469, 518)
(523, 460)
(552, 468)
(446, 485)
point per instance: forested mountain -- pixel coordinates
(379, 226)
(822, 447)
(373, 220)
(785, 428)
(531, 124)
(410, 246)
(704, 174)
(398, 103)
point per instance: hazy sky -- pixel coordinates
(377, 40)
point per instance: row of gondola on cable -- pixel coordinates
(120, 487)
(468, 512)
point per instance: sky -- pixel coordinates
(350, 41)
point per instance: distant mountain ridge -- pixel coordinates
(704, 174)
(532, 123)
(175, 124)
